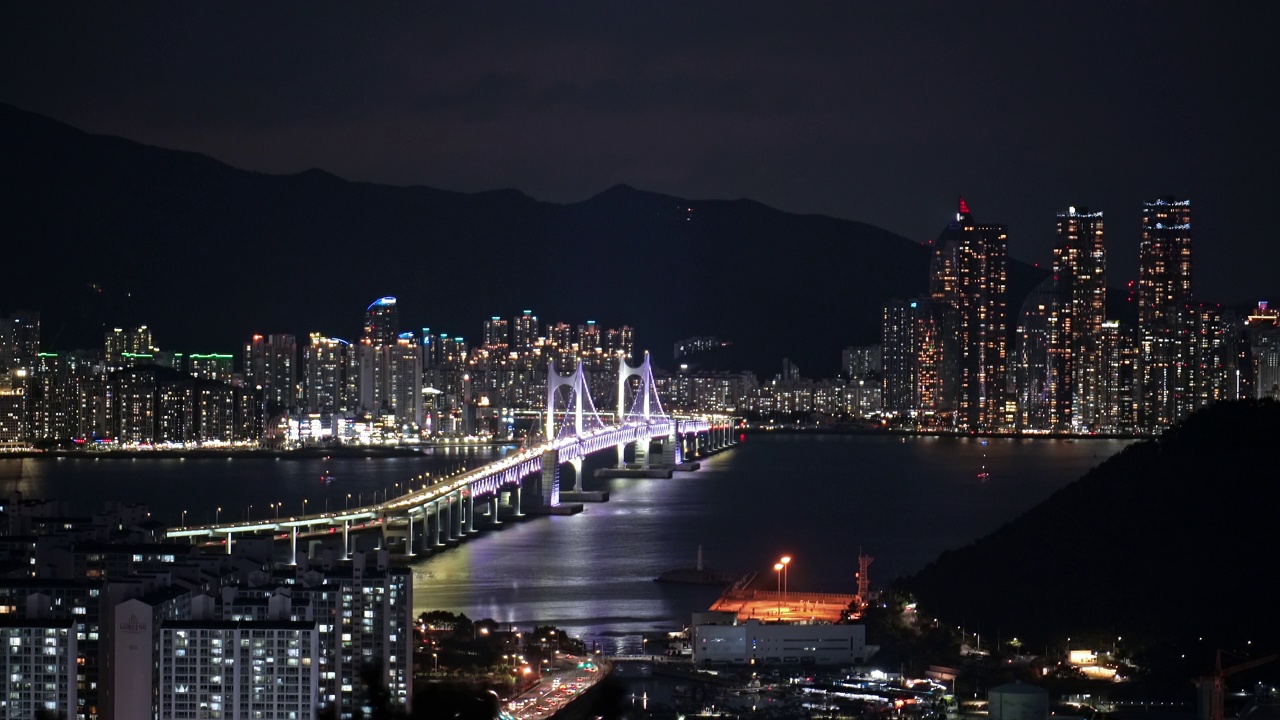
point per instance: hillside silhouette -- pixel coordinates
(106, 231)
(1170, 542)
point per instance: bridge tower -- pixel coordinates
(645, 373)
(577, 383)
(641, 407)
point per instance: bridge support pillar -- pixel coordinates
(519, 500)
(228, 542)
(576, 464)
(346, 539)
(439, 524)
(666, 451)
(293, 546)
(642, 452)
(493, 508)
(471, 513)
(622, 450)
(455, 516)
(551, 478)
(408, 538)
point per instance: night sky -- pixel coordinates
(880, 112)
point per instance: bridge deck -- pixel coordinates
(483, 480)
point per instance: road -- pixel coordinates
(558, 687)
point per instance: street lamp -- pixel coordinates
(777, 568)
(304, 506)
(183, 523)
(435, 662)
(348, 506)
(786, 560)
(247, 511)
(217, 516)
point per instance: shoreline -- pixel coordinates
(893, 432)
(345, 451)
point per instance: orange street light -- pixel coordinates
(777, 568)
(786, 560)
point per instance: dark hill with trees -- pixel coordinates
(1171, 543)
(102, 231)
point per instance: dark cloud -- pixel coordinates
(882, 112)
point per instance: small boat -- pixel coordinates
(326, 477)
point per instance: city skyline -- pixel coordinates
(327, 330)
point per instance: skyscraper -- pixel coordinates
(588, 338)
(270, 362)
(211, 366)
(1079, 262)
(525, 331)
(1041, 374)
(1164, 313)
(944, 303)
(496, 334)
(382, 321)
(1118, 379)
(325, 387)
(120, 344)
(900, 355)
(1262, 330)
(404, 389)
(981, 289)
(19, 340)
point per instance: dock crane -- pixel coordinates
(1211, 687)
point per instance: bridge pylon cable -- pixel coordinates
(580, 415)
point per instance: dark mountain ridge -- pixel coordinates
(104, 231)
(1170, 540)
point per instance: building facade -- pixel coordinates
(1164, 313)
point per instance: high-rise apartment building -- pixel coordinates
(588, 338)
(404, 389)
(1041, 372)
(218, 367)
(13, 415)
(39, 666)
(1211, 354)
(123, 346)
(860, 362)
(19, 339)
(54, 391)
(1118, 380)
(497, 334)
(900, 391)
(619, 341)
(245, 669)
(1262, 328)
(270, 362)
(325, 387)
(980, 295)
(1164, 313)
(1079, 262)
(944, 305)
(524, 333)
(382, 321)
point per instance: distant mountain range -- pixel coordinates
(1169, 541)
(104, 231)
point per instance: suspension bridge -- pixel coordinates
(526, 481)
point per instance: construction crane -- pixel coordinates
(1212, 687)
